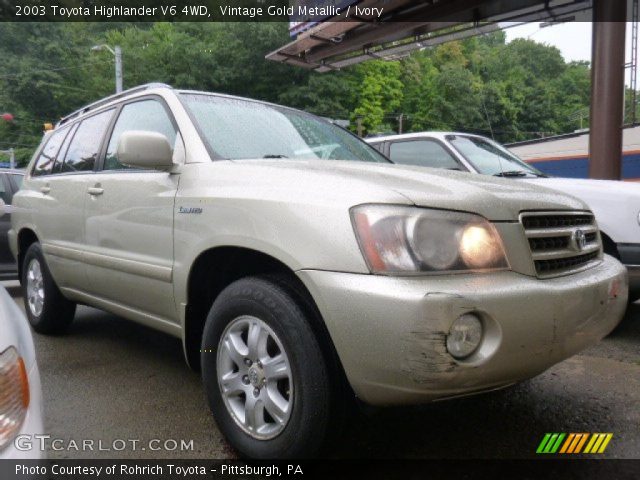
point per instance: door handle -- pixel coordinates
(95, 191)
(45, 190)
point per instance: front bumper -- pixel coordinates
(634, 281)
(390, 332)
(12, 238)
(630, 257)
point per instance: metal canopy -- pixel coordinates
(413, 24)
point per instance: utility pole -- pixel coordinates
(400, 118)
(360, 129)
(117, 53)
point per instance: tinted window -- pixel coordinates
(57, 166)
(424, 153)
(378, 146)
(47, 157)
(84, 148)
(17, 180)
(5, 191)
(147, 115)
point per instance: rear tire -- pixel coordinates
(265, 412)
(48, 311)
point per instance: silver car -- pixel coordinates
(299, 266)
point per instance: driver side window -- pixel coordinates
(146, 116)
(424, 153)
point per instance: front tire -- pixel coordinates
(266, 379)
(48, 311)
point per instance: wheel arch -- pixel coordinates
(26, 237)
(216, 268)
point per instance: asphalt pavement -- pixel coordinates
(120, 384)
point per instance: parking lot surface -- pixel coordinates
(110, 380)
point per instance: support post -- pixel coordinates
(607, 89)
(118, 55)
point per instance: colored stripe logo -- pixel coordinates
(574, 443)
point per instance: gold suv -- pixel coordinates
(298, 265)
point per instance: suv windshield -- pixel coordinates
(243, 129)
(491, 158)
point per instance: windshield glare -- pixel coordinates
(489, 157)
(238, 129)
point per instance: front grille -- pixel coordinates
(547, 266)
(561, 242)
(552, 221)
(551, 243)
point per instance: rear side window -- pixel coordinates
(146, 115)
(57, 167)
(85, 145)
(47, 157)
(5, 191)
(17, 180)
(424, 153)
(378, 146)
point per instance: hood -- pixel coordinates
(494, 198)
(615, 204)
(586, 186)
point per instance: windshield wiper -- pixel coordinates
(275, 156)
(511, 173)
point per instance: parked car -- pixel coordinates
(295, 281)
(21, 395)
(10, 182)
(615, 204)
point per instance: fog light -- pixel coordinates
(464, 336)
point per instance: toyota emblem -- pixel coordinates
(580, 240)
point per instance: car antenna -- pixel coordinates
(488, 121)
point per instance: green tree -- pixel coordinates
(514, 91)
(378, 93)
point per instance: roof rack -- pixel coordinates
(110, 98)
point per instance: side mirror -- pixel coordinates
(145, 150)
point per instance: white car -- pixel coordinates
(20, 391)
(616, 204)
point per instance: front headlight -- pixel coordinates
(396, 239)
(14, 394)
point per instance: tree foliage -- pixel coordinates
(512, 91)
